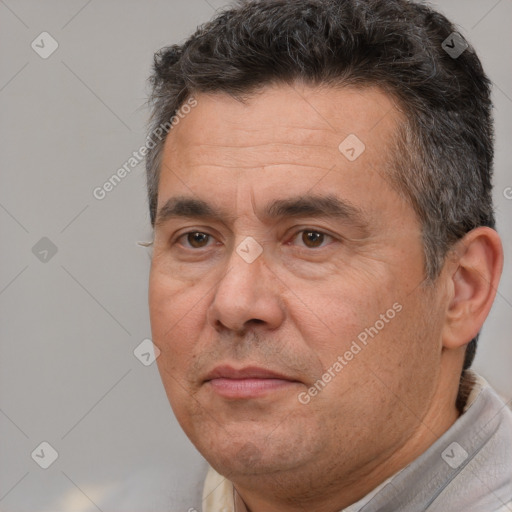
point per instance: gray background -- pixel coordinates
(69, 325)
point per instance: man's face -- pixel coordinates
(253, 309)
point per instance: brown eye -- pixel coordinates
(197, 240)
(312, 239)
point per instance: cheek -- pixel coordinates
(382, 383)
(403, 359)
(177, 316)
(341, 310)
(372, 325)
(175, 323)
(171, 298)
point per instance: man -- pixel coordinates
(325, 257)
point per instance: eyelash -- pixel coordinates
(293, 238)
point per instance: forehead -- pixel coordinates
(282, 140)
(295, 114)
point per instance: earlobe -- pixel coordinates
(476, 268)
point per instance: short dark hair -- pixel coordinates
(444, 148)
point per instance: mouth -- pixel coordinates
(248, 382)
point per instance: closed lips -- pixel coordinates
(250, 372)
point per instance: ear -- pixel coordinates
(474, 273)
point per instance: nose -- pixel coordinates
(248, 294)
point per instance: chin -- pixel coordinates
(252, 453)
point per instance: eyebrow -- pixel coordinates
(293, 207)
